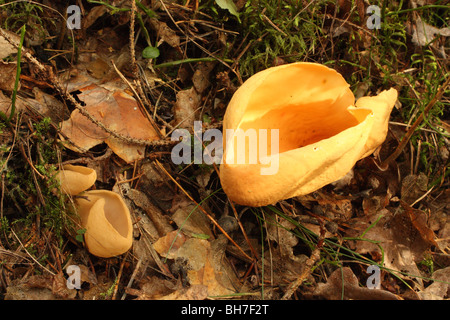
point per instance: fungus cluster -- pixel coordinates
(103, 213)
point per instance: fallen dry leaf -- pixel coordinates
(186, 108)
(420, 223)
(424, 33)
(23, 105)
(191, 220)
(93, 15)
(194, 292)
(8, 75)
(156, 288)
(153, 183)
(205, 266)
(281, 233)
(6, 48)
(40, 287)
(51, 106)
(413, 187)
(440, 288)
(284, 269)
(343, 284)
(403, 245)
(154, 221)
(165, 33)
(168, 245)
(119, 112)
(98, 68)
(200, 78)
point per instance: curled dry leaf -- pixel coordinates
(343, 284)
(53, 108)
(424, 33)
(153, 288)
(420, 223)
(44, 107)
(200, 78)
(192, 221)
(153, 220)
(7, 48)
(152, 183)
(186, 108)
(7, 75)
(205, 267)
(210, 270)
(5, 104)
(165, 33)
(168, 245)
(283, 236)
(413, 187)
(285, 269)
(93, 15)
(119, 112)
(194, 292)
(40, 287)
(440, 288)
(403, 237)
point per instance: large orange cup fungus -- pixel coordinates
(301, 130)
(103, 213)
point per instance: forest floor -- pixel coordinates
(180, 61)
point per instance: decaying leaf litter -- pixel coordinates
(106, 107)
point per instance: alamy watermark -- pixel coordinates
(74, 279)
(73, 17)
(243, 147)
(374, 18)
(374, 280)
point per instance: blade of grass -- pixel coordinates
(18, 71)
(191, 60)
(180, 228)
(16, 83)
(339, 251)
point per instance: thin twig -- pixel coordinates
(274, 25)
(196, 43)
(59, 87)
(133, 275)
(119, 276)
(204, 211)
(138, 98)
(33, 258)
(310, 263)
(132, 51)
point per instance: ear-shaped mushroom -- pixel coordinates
(107, 220)
(76, 179)
(314, 133)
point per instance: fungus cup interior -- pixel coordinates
(310, 103)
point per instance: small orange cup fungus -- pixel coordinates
(103, 213)
(109, 230)
(317, 132)
(76, 179)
